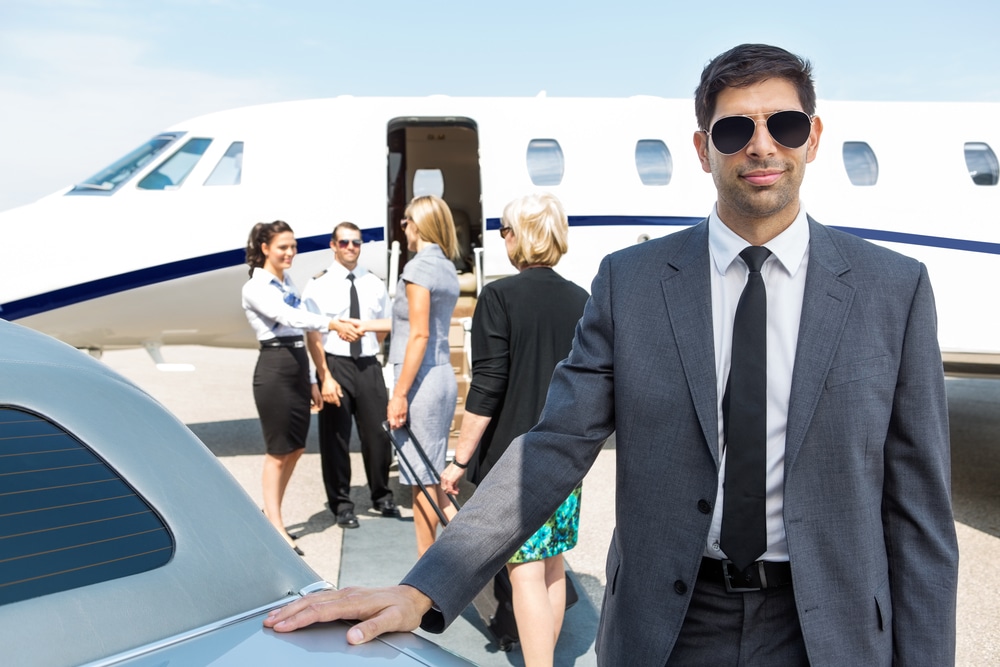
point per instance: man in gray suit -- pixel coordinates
(857, 556)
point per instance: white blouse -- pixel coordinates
(274, 309)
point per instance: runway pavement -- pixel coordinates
(216, 402)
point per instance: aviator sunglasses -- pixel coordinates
(343, 243)
(731, 134)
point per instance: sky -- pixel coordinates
(82, 82)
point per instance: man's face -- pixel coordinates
(758, 186)
(347, 247)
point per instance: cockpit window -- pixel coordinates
(175, 168)
(110, 179)
(229, 171)
(984, 169)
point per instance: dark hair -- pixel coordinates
(746, 65)
(344, 225)
(262, 233)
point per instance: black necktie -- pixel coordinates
(744, 529)
(355, 314)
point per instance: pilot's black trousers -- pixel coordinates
(364, 400)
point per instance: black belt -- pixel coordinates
(283, 341)
(760, 575)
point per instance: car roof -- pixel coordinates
(227, 558)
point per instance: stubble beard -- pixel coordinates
(752, 202)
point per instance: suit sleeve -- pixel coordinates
(921, 544)
(535, 474)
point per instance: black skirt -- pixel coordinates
(282, 392)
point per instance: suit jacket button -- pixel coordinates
(704, 506)
(680, 587)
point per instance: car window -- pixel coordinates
(66, 518)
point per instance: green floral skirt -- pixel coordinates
(557, 535)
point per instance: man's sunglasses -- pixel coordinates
(731, 134)
(343, 243)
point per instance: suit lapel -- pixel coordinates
(687, 293)
(825, 306)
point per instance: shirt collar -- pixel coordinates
(265, 276)
(433, 249)
(788, 248)
(339, 270)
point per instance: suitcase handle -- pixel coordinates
(427, 463)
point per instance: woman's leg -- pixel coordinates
(535, 591)
(555, 584)
(278, 470)
(425, 519)
(444, 502)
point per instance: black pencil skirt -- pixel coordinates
(282, 393)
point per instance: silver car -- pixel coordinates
(123, 541)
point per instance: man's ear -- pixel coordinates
(701, 145)
(812, 144)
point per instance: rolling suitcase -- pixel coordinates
(494, 603)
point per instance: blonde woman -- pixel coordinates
(425, 390)
(523, 326)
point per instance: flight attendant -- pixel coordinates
(282, 390)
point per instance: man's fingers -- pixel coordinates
(381, 610)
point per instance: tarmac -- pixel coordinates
(216, 403)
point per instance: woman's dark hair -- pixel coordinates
(746, 65)
(262, 233)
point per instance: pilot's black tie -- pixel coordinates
(355, 314)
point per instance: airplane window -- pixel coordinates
(111, 178)
(982, 163)
(653, 162)
(545, 162)
(428, 182)
(68, 519)
(175, 168)
(860, 162)
(229, 171)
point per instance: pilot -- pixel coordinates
(346, 291)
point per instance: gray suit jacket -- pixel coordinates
(867, 501)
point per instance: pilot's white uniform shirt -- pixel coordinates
(329, 293)
(274, 309)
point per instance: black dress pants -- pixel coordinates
(364, 400)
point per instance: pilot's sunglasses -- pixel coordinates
(731, 134)
(505, 230)
(343, 243)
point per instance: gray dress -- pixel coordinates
(434, 392)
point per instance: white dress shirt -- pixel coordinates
(329, 293)
(784, 275)
(274, 309)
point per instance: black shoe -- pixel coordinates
(388, 508)
(299, 551)
(346, 519)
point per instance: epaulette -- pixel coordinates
(320, 274)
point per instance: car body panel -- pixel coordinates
(228, 561)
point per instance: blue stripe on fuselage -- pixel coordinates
(68, 296)
(152, 275)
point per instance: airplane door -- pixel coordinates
(437, 156)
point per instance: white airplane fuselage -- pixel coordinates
(154, 265)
